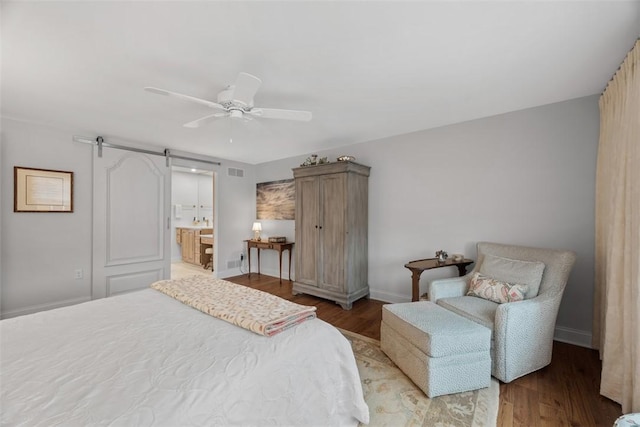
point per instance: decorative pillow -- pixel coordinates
(494, 290)
(514, 271)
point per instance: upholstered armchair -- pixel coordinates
(522, 331)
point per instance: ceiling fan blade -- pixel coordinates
(246, 87)
(204, 120)
(184, 97)
(272, 113)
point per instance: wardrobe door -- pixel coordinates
(333, 197)
(307, 230)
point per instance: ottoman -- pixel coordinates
(441, 352)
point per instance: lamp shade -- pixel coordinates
(256, 226)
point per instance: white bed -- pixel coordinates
(146, 359)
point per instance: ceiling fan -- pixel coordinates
(236, 101)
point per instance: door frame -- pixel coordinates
(214, 168)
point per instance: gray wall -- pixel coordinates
(526, 177)
(41, 251)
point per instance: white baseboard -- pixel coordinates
(223, 274)
(573, 336)
(43, 307)
(387, 296)
(231, 272)
(275, 273)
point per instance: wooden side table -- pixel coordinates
(280, 247)
(418, 266)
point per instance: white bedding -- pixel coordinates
(145, 359)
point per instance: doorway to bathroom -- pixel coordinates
(193, 221)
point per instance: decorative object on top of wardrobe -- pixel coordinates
(312, 160)
(331, 231)
(346, 159)
(236, 101)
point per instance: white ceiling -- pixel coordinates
(366, 70)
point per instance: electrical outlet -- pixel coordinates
(78, 274)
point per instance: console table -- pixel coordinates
(418, 266)
(280, 247)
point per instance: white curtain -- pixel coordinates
(616, 330)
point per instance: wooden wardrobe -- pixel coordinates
(331, 231)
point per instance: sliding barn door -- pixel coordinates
(131, 202)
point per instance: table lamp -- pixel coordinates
(257, 228)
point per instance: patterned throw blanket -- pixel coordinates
(257, 311)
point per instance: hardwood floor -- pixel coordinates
(565, 393)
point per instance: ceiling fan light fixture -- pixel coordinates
(236, 102)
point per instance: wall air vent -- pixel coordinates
(235, 172)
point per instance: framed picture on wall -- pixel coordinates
(276, 199)
(42, 190)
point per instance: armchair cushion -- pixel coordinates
(479, 310)
(494, 290)
(514, 271)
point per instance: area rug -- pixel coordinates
(394, 400)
